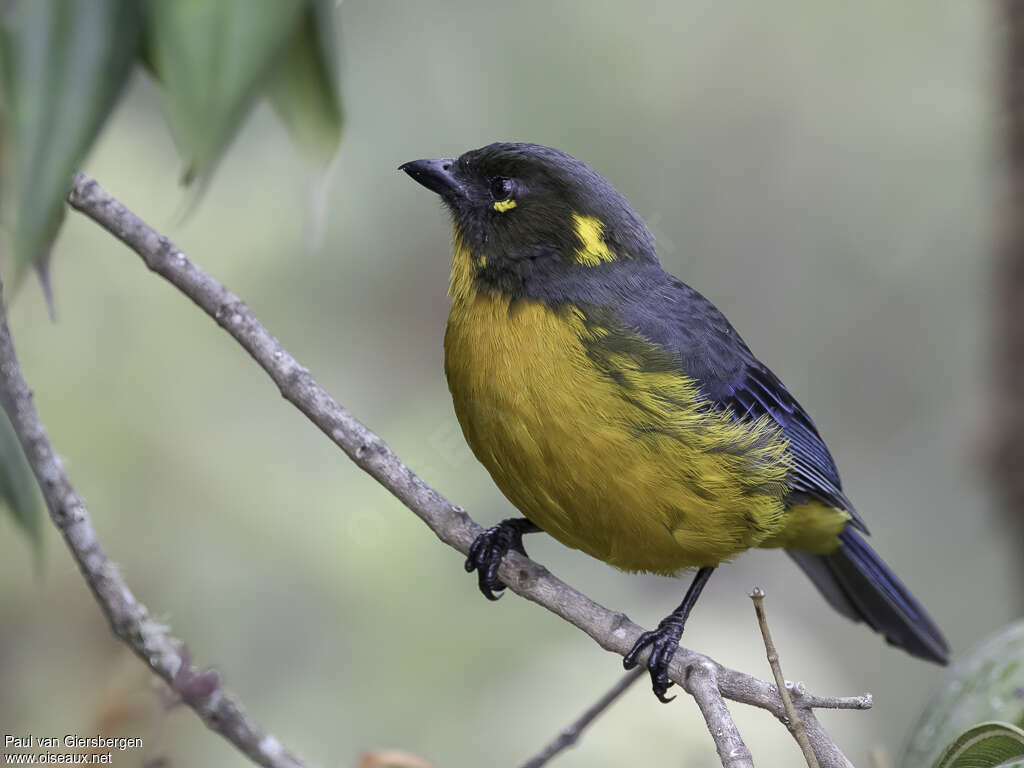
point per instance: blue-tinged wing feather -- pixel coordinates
(675, 316)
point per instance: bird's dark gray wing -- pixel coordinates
(678, 318)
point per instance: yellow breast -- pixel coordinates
(633, 468)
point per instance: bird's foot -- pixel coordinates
(490, 547)
(664, 641)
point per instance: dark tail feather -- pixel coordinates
(860, 586)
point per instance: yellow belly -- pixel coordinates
(632, 469)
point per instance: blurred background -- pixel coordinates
(827, 174)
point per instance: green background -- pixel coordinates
(828, 175)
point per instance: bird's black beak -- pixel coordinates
(436, 175)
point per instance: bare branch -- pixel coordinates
(702, 684)
(805, 700)
(128, 618)
(828, 754)
(613, 631)
(569, 735)
(795, 724)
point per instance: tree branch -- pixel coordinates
(795, 724)
(702, 683)
(613, 631)
(569, 735)
(128, 618)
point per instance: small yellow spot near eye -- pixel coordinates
(594, 249)
(504, 205)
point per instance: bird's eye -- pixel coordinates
(501, 188)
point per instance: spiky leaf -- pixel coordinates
(63, 63)
(304, 89)
(212, 59)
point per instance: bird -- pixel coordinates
(621, 413)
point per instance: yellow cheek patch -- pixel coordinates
(594, 249)
(504, 205)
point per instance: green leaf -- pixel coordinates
(212, 59)
(988, 745)
(987, 685)
(17, 485)
(304, 89)
(64, 63)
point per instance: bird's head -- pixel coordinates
(532, 219)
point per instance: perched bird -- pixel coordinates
(619, 410)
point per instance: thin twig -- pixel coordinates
(613, 631)
(129, 619)
(804, 700)
(702, 684)
(796, 725)
(569, 735)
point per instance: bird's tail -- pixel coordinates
(860, 586)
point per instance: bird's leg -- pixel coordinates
(665, 639)
(490, 547)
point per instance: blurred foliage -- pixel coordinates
(986, 685)
(214, 58)
(64, 65)
(304, 88)
(65, 62)
(17, 485)
(988, 745)
(210, 58)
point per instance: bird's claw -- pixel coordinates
(487, 552)
(663, 642)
